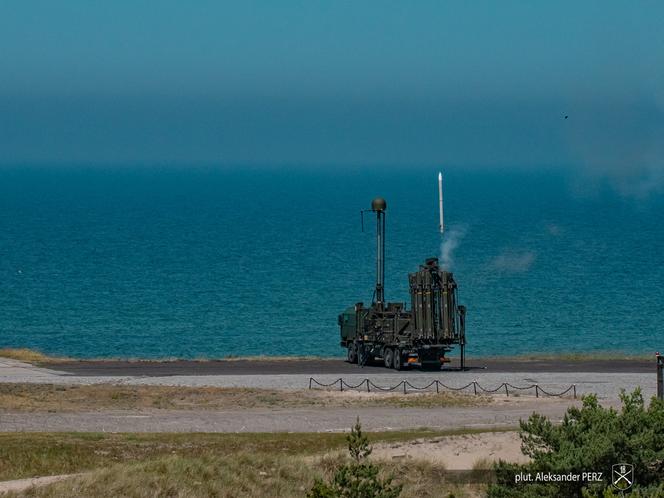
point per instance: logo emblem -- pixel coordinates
(623, 476)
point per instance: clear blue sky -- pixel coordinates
(336, 82)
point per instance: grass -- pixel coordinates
(38, 454)
(193, 465)
(243, 475)
(70, 398)
(29, 355)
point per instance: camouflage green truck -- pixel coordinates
(401, 337)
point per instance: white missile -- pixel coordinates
(441, 225)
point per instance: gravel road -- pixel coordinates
(605, 385)
(502, 412)
(291, 420)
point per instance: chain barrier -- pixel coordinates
(406, 385)
(386, 389)
(349, 386)
(450, 388)
(491, 391)
(420, 388)
(311, 380)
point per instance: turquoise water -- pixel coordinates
(209, 263)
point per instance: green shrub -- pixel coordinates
(359, 478)
(590, 438)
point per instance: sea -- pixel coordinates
(213, 262)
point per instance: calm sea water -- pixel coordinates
(209, 263)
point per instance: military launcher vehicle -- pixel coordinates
(400, 337)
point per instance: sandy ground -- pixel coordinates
(461, 452)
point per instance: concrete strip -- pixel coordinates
(282, 366)
(605, 385)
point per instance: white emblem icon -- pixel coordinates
(623, 476)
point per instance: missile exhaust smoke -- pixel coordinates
(450, 240)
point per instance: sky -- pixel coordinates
(335, 83)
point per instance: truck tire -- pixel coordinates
(397, 362)
(352, 354)
(387, 357)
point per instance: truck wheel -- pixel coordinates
(387, 357)
(397, 361)
(352, 354)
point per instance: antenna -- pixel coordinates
(378, 206)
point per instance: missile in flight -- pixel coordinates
(441, 224)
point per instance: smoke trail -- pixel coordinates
(515, 262)
(450, 241)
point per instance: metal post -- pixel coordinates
(380, 256)
(362, 355)
(506, 391)
(536, 391)
(475, 387)
(368, 390)
(404, 387)
(437, 387)
(660, 373)
(574, 388)
(462, 335)
(378, 206)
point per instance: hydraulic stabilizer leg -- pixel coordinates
(462, 336)
(361, 356)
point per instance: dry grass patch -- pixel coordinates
(67, 398)
(35, 356)
(29, 356)
(28, 454)
(242, 474)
